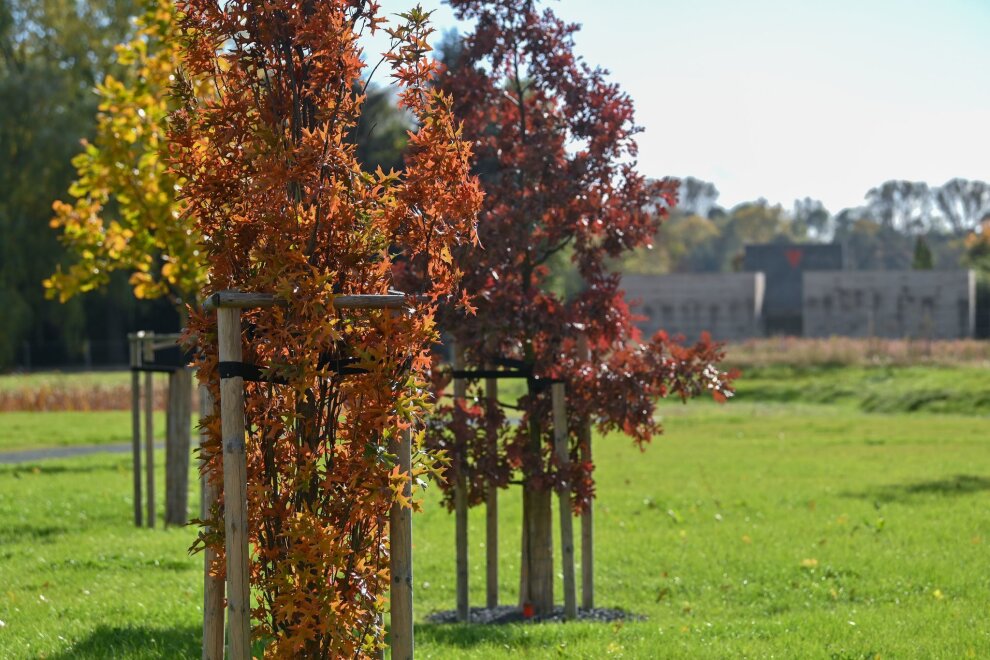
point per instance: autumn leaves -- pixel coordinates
(271, 176)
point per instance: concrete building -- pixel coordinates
(728, 305)
(928, 304)
(802, 290)
(782, 265)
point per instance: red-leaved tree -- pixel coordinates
(555, 149)
(284, 207)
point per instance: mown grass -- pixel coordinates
(35, 430)
(748, 530)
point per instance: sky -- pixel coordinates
(786, 99)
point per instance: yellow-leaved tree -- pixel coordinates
(125, 216)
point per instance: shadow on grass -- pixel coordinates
(960, 484)
(137, 642)
(26, 470)
(467, 635)
(17, 533)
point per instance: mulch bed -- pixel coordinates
(504, 614)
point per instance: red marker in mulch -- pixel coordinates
(528, 611)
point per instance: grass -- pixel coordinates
(888, 389)
(748, 530)
(33, 430)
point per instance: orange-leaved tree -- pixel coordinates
(125, 216)
(284, 207)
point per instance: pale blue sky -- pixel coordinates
(791, 98)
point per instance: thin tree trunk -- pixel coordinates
(536, 580)
(539, 533)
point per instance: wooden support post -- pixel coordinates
(460, 503)
(213, 588)
(234, 486)
(400, 535)
(136, 430)
(148, 355)
(206, 499)
(561, 441)
(524, 598)
(178, 439)
(587, 516)
(491, 510)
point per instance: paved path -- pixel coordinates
(31, 455)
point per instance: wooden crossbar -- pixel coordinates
(228, 305)
(242, 300)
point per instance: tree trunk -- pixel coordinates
(536, 574)
(539, 551)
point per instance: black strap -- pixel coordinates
(474, 374)
(539, 383)
(512, 363)
(157, 368)
(254, 374)
(249, 372)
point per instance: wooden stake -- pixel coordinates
(587, 516)
(213, 588)
(460, 504)
(234, 486)
(401, 558)
(149, 426)
(136, 431)
(491, 511)
(524, 598)
(206, 499)
(560, 440)
(177, 446)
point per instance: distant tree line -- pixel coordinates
(901, 225)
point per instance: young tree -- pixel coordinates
(284, 207)
(555, 147)
(125, 215)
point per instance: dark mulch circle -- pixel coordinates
(504, 614)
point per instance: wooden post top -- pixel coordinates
(231, 298)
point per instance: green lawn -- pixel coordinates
(36, 430)
(957, 389)
(749, 530)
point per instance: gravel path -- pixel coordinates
(31, 455)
